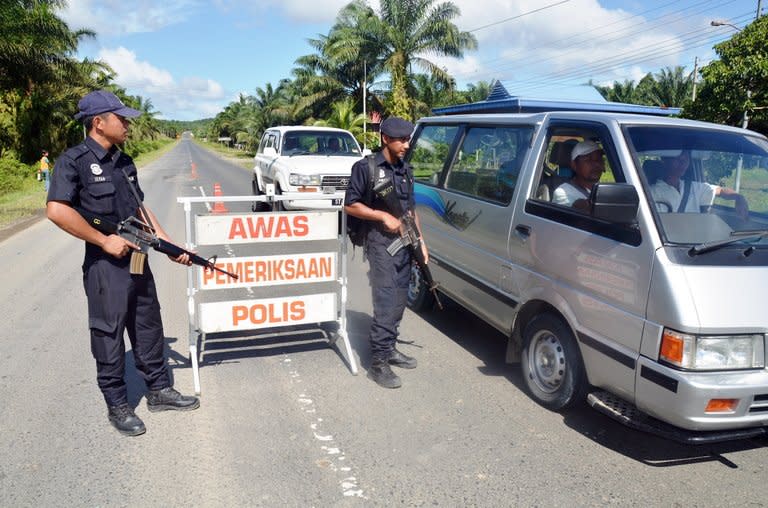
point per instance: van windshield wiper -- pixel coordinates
(736, 236)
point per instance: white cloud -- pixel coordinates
(301, 11)
(186, 99)
(579, 39)
(117, 17)
(132, 73)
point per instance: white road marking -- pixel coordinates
(333, 454)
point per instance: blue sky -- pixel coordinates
(192, 57)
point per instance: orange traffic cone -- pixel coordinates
(218, 206)
(193, 173)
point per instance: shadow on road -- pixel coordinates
(489, 346)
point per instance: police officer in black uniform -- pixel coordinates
(389, 275)
(96, 176)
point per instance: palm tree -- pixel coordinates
(672, 87)
(343, 116)
(396, 40)
(36, 45)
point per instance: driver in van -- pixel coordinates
(672, 193)
(588, 167)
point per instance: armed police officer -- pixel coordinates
(95, 176)
(389, 274)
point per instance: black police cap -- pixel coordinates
(396, 127)
(102, 101)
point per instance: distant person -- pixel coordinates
(588, 166)
(671, 193)
(97, 177)
(45, 170)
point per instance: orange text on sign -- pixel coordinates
(271, 270)
(269, 226)
(272, 313)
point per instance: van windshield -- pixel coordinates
(704, 184)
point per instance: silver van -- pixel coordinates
(649, 306)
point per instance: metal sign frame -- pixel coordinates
(195, 330)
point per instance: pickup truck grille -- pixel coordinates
(759, 404)
(340, 182)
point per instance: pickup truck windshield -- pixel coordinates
(704, 184)
(312, 142)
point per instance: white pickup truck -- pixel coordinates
(304, 159)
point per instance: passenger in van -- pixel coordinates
(672, 193)
(587, 164)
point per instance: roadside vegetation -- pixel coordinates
(380, 61)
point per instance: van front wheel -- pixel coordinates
(552, 367)
(420, 298)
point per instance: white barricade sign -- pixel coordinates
(305, 285)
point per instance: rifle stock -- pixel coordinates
(138, 232)
(409, 235)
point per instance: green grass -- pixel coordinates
(18, 205)
(22, 204)
(241, 157)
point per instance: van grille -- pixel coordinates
(759, 404)
(338, 181)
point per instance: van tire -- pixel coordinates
(258, 206)
(553, 370)
(420, 298)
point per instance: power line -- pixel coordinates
(688, 40)
(538, 59)
(519, 16)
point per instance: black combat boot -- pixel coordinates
(382, 374)
(168, 398)
(398, 359)
(125, 420)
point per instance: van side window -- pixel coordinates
(564, 183)
(488, 162)
(429, 154)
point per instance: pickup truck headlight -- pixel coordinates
(712, 352)
(299, 180)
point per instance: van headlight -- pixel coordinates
(299, 180)
(712, 352)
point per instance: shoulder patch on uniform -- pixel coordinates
(78, 151)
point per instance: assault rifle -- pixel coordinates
(141, 234)
(409, 234)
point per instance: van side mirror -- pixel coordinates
(614, 202)
(270, 151)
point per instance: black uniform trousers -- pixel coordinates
(389, 278)
(118, 302)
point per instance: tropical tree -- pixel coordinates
(343, 116)
(671, 87)
(477, 92)
(40, 79)
(737, 82)
(398, 39)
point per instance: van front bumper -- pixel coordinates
(681, 397)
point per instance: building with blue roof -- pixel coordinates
(582, 98)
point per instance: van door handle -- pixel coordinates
(523, 231)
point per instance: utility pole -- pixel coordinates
(695, 73)
(365, 114)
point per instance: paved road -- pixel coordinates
(284, 423)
